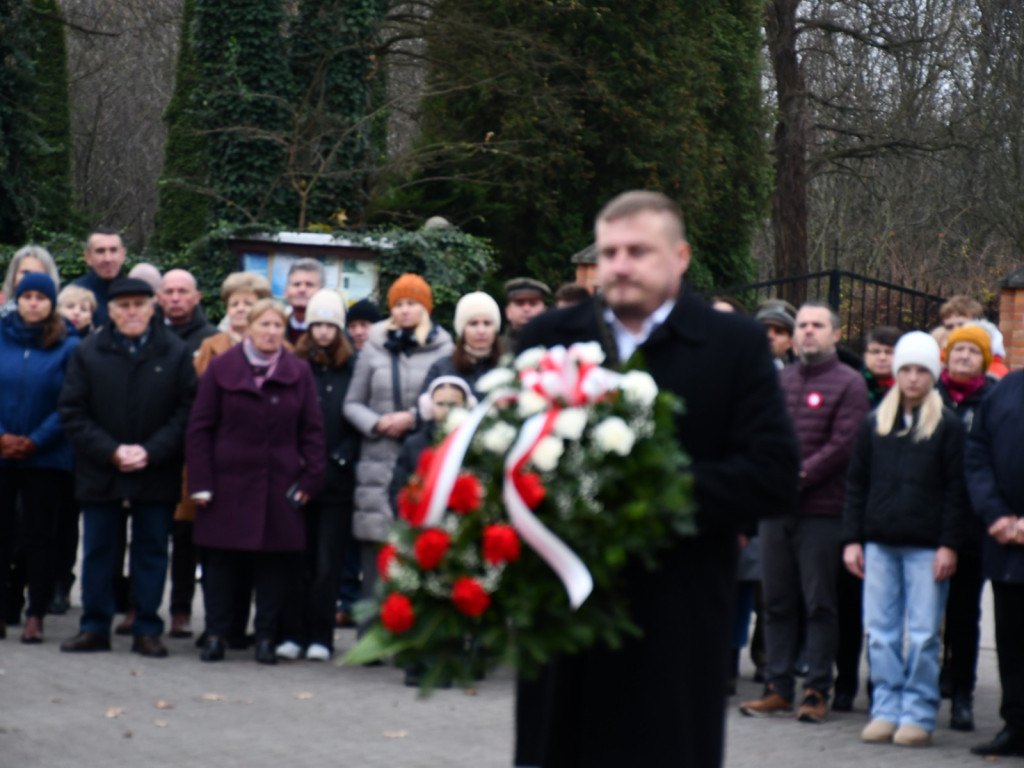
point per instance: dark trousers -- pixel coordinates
(963, 619)
(351, 580)
(850, 591)
(1009, 605)
(799, 567)
(273, 574)
(151, 527)
(310, 616)
(40, 492)
(183, 568)
(67, 537)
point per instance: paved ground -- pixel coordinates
(118, 709)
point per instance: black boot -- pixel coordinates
(961, 712)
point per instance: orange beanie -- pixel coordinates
(410, 286)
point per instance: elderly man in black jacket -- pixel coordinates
(660, 698)
(994, 462)
(124, 406)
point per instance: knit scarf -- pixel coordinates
(961, 390)
(262, 365)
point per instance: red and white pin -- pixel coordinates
(814, 399)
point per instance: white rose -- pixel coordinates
(495, 379)
(613, 435)
(455, 417)
(639, 388)
(588, 352)
(529, 358)
(498, 438)
(530, 403)
(547, 453)
(570, 423)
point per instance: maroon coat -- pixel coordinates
(247, 446)
(827, 403)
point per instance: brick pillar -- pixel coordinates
(1011, 318)
(586, 275)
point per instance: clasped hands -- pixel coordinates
(130, 458)
(16, 447)
(395, 424)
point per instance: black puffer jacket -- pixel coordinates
(342, 438)
(905, 493)
(112, 398)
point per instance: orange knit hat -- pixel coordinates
(975, 334)
(410, 286)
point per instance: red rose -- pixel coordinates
(467, 493)
(396, 614)
(385, 557)
(469, 597)
(410, 505)
(530, 488)
(425, 460)
(501, 544)
(430, 548)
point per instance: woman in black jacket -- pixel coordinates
(905, 508)
(310, 621)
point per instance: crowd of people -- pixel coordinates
(870, 495)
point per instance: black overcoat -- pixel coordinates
(112, 398)
(660, 699)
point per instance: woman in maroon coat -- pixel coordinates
(255, 450)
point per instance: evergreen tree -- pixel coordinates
(552, 108)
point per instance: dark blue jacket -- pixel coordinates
(30, 382)
(994, 462)
(99, 287)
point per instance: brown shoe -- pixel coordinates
(149, 645)
(33, 632)
(768, 705)
(343, 619)
(814, 708)
(85, 642)
(181, 626)
(125, 627)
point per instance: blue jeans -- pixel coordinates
(899, 585)
(151, 527)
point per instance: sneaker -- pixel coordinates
(769, 704)
(910, 735)
(288, 650)
(878, 732)
(318, 652)
(813, 709)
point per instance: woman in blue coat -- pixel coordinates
(35, 457)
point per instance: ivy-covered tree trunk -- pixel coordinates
(183, 214)
(545, 110)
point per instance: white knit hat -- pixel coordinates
(426, 402)
(473, 304)
(325, 306)
(917, 348)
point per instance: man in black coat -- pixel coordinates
(124, 406)
(661, 699)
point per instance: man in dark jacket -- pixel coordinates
(179, 298)
(994, 463)
(662, 695)
(105, 254)
(124, 406)
(800, 554)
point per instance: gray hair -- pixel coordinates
(30, 252)
(308, 265)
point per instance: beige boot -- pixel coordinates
(878, 732)
(910, 735)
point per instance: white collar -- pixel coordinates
(627, 341)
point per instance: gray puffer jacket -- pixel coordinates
(374, 392)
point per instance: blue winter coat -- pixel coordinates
(30, 382)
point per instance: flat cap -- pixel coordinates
(776, 316)
(129, 286)
(521, 285)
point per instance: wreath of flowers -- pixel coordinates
(513, 533)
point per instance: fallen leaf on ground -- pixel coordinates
(165, 705)
(469, 691)
(303, 695)
(395, 734)
(244, 701)
(213, 697)
(116, 711)
(127, 734)
(55, 699)
(160, 723)
(135, 673)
